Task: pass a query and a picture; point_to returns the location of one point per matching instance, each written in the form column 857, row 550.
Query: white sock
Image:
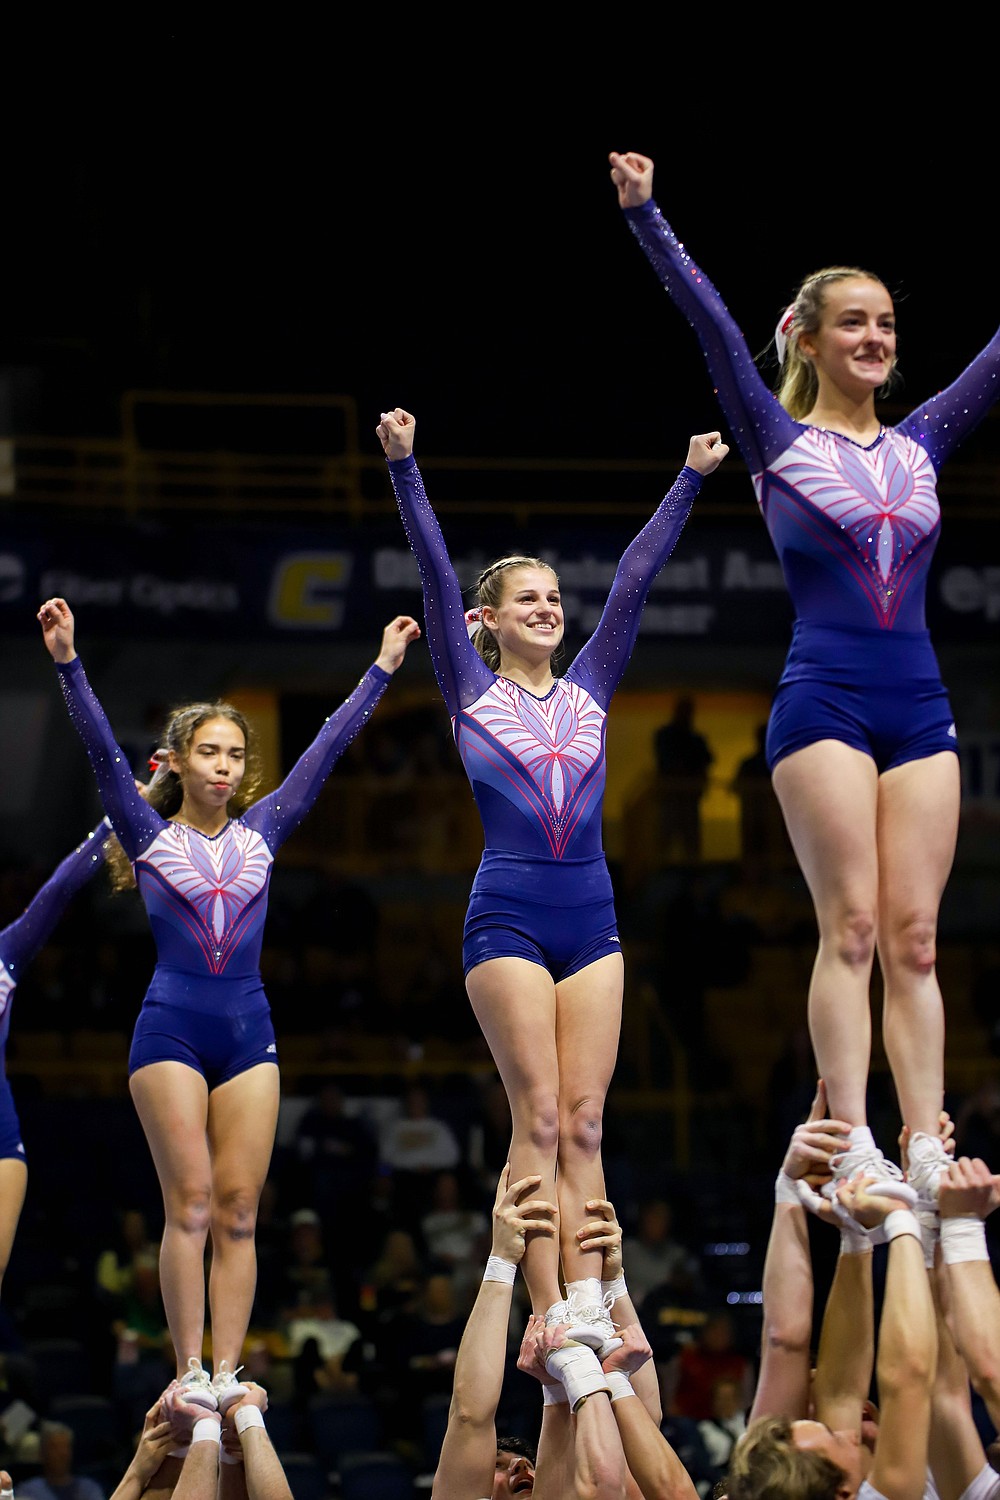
column 861, row 1136
column 589, row 1290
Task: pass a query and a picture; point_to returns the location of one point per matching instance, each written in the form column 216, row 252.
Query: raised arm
column 279, row 813
column 22, row 939
column 907, row 1345
column 760, row 425
column 943, row 422
column 605, row 656
column 461, row 673
column 467, row 1462
column 787, row 1288
column 134, row 822
column 969, row 1192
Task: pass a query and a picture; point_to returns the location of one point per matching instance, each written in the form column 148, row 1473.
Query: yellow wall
column 727, row 720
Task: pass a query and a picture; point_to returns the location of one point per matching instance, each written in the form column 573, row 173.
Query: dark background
column 429, row 220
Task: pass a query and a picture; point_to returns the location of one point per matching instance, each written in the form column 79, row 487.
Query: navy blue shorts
column 877, row 691
column 559, row 914
column 219, row 1027
column 10, row 1127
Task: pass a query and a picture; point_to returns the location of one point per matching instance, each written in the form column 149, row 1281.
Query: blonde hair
column 766, row 1465
column 165, row 792
column 797, row 383
column 491, row 585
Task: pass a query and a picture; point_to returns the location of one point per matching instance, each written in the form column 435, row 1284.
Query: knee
column 855, row 937
column 234, row 1214
column 190, row 1209
column 912, row 944
column 582, row 1127
column 538, row 1117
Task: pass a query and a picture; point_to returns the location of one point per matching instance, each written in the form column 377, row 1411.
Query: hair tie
column 473, row 620
column 781, row 332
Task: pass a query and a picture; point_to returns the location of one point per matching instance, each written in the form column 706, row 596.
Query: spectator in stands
column 455, row 1234
column 395, row 1278
column 689, row 1379
column 723, row 1428
column 683, row 760
column 306, row 1280
column 337, row 1153
column 58, row 1481
column 414, row 1145
column 656, row 1258
column 318, row 1341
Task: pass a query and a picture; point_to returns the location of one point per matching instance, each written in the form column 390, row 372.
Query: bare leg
column 242, row 1119
column 828, row 794
column 13, row 1186
column 515, row 1004
column 588, row 1027
column 917, row 831
column 171, row 1100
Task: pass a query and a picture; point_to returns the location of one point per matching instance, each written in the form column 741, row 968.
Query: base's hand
column 396, row 636
column 632, row 175
column 395, row 433
column 603, row 1233
column 968, row 1187
column 535, row 1344
column 58, row 628
column 870, row 1210
column 706, row 451
column 634, row 1352
column 512, row 1220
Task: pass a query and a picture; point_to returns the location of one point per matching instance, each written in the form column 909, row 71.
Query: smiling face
column 528, row 622
column 513, row 1475
column 854, row 346
column 212, row 767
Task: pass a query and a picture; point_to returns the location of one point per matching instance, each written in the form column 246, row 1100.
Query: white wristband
column 963, row 1238
column 498, row 1269
column 854, row 1242
column 620, row 1384
column 785, row 1189
column 554, row 1395
column 901, row 1221
column 248, row 1416
column 617, row 1288
column 206, row 1430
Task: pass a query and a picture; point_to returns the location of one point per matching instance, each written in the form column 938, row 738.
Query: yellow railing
column 265, row 472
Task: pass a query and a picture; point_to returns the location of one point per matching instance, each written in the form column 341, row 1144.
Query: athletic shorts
column 559, row 914
column 878, row 691
column 11, row 1144
column 220, row 1027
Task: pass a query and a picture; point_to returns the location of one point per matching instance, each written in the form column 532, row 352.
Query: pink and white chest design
column 212, row 887
column 882, row 502
column 545, row 755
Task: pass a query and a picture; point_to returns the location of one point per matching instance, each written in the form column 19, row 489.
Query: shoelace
column 590, row 1311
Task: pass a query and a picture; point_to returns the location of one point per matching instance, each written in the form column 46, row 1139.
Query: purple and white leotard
column 22, row 939
column 206, row 898
column 854, row 528
column 537, row 765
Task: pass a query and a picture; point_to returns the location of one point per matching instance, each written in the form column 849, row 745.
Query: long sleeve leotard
column 207, row 897
column 20, row 941
column 24, row 937
column 854, row 527
column 536, row 765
